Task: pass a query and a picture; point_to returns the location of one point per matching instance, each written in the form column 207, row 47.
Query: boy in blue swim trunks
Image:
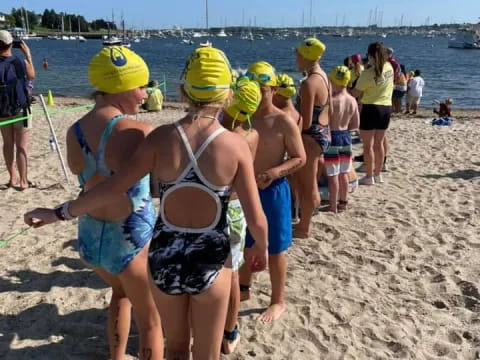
column 279, row 134
column 338, row 158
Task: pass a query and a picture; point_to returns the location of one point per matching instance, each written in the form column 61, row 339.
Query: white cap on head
column 6, row 37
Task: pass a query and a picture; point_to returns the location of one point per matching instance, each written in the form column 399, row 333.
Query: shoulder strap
column 107, row 132
column 184, row 138
column 80, row 138
column 207, row 142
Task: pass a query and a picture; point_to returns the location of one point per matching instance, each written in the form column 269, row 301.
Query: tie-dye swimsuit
column 188, row 260
column 113, row 244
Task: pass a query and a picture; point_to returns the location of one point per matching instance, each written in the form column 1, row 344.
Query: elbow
column 302, row 160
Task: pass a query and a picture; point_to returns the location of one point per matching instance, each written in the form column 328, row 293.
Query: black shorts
column 375, row 117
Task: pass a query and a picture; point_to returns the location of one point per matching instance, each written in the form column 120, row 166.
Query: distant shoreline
column 178, row 104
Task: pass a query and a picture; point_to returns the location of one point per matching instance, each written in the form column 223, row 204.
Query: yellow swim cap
column 208, row 76
column 263, row 73
column 116, row 69
column 286, row 86
column 340, row 75
column 246, row 99
column 311, row 49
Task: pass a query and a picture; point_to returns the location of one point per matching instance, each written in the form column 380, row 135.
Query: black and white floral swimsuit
column 188, row 260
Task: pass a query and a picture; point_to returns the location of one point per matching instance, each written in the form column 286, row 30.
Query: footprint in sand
column 454, row 338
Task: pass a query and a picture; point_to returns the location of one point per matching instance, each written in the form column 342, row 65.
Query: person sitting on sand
column 196, row 161
column 445, row 109
column 338, row 157
column 279, row 134
column 314, row 106
column 236, row 118
column 155, row 98
column 113, row 236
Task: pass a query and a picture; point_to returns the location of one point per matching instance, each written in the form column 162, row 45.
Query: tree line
column 53, row 21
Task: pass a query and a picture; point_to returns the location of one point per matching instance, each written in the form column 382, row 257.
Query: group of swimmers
column 225, row 173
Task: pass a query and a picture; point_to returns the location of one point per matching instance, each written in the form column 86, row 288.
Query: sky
column 160, row 14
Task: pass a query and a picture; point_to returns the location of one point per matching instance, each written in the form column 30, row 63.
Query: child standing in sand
column 279, row 134
column 236, row 118
column 113, row 237
column 338, row 157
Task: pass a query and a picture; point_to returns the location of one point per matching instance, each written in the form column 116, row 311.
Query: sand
column 395, row 277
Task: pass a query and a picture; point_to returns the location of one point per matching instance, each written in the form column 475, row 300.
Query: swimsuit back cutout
column 193, row 177
column 318, row 109
column 95, row 163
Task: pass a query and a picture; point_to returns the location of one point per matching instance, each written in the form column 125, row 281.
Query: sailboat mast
column 206, row 14
column 26, row 21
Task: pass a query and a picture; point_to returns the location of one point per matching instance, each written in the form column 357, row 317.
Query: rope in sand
column 4, row 242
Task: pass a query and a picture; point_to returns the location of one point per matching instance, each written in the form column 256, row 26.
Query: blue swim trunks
column 276, row 204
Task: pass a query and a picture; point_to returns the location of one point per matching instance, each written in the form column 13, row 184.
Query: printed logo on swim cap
column 117, row 57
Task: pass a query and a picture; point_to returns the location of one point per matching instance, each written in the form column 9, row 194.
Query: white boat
column 111, row 41
column 222, row 33
column 64, row 37
column 81, row 38
column 206, row 44
column 187, row 41
column 465, row 39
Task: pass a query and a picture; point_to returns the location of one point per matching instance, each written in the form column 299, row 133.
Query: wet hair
column 378, row 52
column 4, row 46
column 402, row 68
column 417, row 72
column 346, row 61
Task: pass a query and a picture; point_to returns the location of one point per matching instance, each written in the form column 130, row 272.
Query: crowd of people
column 228, row 173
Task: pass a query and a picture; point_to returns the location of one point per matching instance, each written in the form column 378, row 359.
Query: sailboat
column 80, row 37
column 111, row 40
column 125, row 39
column 64, row 37
column 70, row 23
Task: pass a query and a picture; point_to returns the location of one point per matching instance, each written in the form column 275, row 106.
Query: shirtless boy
column 338, row 158
column 283, row 100
column 236, row 118
column 279, row 134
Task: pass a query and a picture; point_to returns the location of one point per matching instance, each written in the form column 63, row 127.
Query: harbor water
column 447, row 72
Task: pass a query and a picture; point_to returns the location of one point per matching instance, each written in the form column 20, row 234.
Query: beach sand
column 395, row 277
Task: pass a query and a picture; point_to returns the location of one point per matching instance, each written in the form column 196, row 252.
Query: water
column 447, row 72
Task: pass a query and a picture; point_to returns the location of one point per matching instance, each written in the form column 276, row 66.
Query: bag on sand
column 14, row 97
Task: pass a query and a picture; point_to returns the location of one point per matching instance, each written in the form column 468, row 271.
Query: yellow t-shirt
column 376, row 91
column 155, row 99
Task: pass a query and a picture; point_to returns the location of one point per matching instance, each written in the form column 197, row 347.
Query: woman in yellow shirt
column 375, row 86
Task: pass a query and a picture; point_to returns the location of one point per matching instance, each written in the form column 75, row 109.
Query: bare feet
column 300, row 234
column 272, row 313
column 29, row 184
column 228, row 346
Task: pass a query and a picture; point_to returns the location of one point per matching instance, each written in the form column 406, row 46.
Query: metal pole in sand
column 52, row 131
